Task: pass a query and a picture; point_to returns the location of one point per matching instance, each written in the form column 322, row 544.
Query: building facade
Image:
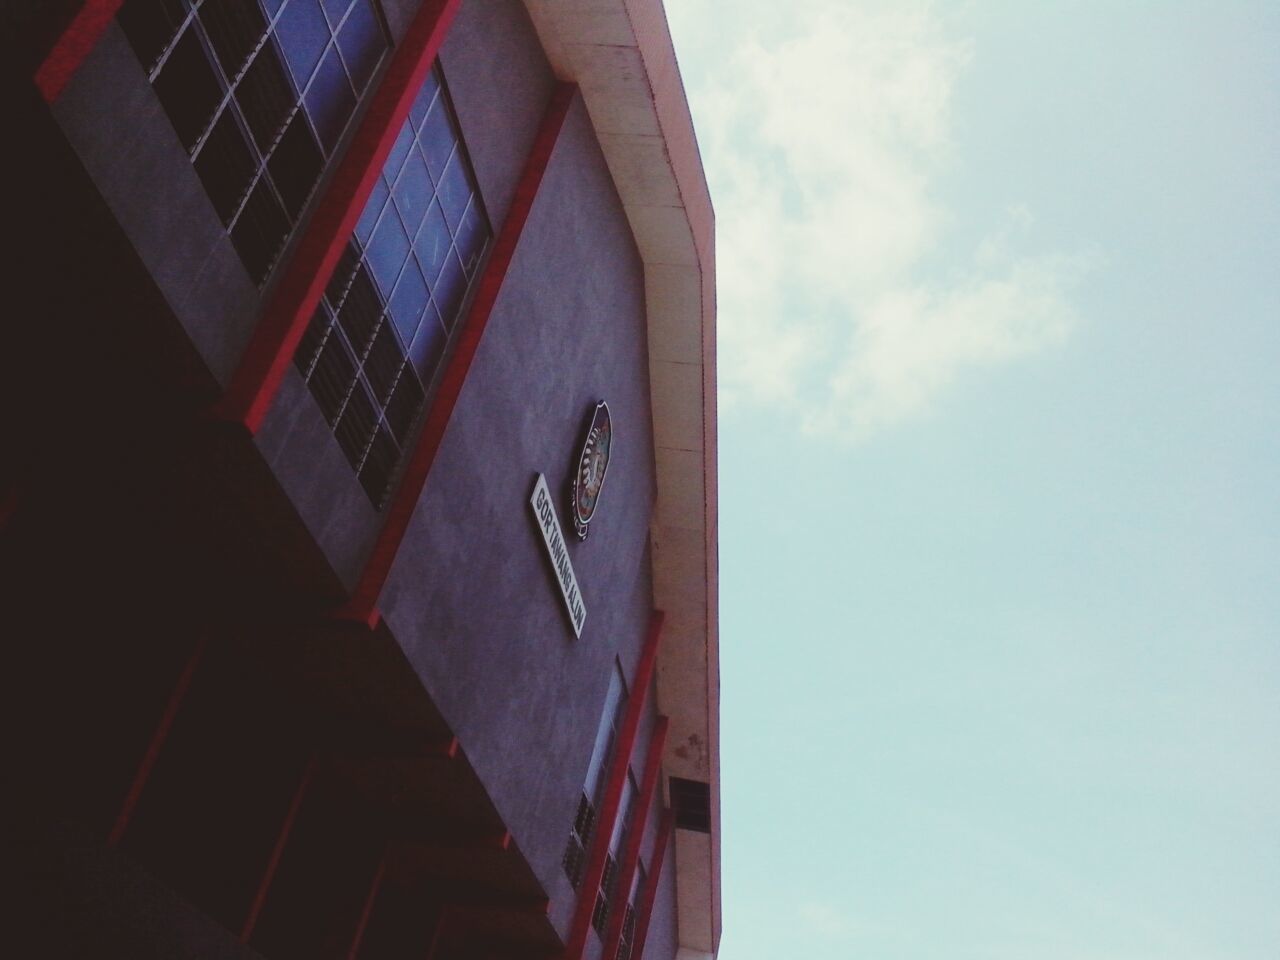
column 358, row 506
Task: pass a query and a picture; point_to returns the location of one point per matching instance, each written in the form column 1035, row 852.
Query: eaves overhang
column 620, row 54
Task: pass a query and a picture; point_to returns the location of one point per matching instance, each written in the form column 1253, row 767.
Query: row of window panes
column 259, row 92
column 601, row 754
column 376, row 341
column 626, row 943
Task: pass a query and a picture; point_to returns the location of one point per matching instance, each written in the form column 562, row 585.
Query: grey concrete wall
column 501, row 83
column 471, row 597
column 116, row 125
column 664, row 936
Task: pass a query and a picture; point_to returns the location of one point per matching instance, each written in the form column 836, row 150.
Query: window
column 609, row 878
column 376, row 341
column 627, row 942
column 691, row 800
column 584, row 822
column 259, row 92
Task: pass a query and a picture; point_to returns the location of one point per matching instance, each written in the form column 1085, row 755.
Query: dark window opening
column 259, row 92
column 584, row 822
column 626, row 943
column 604, row 896
column 691, row 800
column 575, row 854
column 374, row 346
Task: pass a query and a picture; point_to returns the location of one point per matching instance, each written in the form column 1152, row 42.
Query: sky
column 999, row 333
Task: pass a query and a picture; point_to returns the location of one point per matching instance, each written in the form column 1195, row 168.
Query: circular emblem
column 588, row 479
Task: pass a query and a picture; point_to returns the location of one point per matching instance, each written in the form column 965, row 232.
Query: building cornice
column 620, row 54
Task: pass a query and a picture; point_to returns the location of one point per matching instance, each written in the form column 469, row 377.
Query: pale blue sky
column 999, row 459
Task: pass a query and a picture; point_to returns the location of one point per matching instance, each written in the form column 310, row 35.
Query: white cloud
column 823, row 919
column 824, row 133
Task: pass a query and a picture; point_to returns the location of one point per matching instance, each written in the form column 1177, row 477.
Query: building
column 312, row 307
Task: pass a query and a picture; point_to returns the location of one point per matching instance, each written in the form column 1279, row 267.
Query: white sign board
column 544, row 513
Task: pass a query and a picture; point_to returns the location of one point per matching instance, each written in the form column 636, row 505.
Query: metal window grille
column 376, row 341
column 259, row 92
column 627, row 941
column 604, row 896
column 575, row 854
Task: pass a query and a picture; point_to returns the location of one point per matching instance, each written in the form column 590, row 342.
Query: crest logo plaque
column 588, row 479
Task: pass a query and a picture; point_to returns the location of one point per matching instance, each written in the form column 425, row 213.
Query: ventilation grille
column 604, row 896
column 691, row 800
column 627, row 941
column 575, row 854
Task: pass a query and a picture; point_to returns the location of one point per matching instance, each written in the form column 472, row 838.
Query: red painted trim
column 644, row 909
column 631, row 853
column 273, row 863
column 362, row 607
column 152, row 754
column 74, row 44
column 612, row 799
column 270, row 351
column 443, row 919
column 367, row 912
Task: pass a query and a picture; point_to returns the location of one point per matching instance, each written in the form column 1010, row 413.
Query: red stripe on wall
column 277, row 852
column 631, row 853
column 265, row 361
column 73, row 45
column 157, row 742
column 367, row 911
column 644, row 909
column 612, row 799
column 364, row 600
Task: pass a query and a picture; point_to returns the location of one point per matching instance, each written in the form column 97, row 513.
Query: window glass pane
column 408, row 301
column 356, row 424
column 413, row 192
column 260, row 230
column 362, row 44
column 303, row 34
column 151, row 25
column 454, row 192
column 348, row 261
column 234, row 27
column 330, row 99
column 331, row 380
column 361, row 311
column 265, row 96
column 312, row 340
column 432, row 243
column 404, row 403
column 382, row 365
column 335, row 9
column 296, row 164
column 471, row 237
column 387, row 251
column 372, row 209
column 379, row 462
column 427, row 346
column 448, row 290
column 226, row 166
column 437, row 139
column 189, row 89
column 422, row 102
column 399, row 150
